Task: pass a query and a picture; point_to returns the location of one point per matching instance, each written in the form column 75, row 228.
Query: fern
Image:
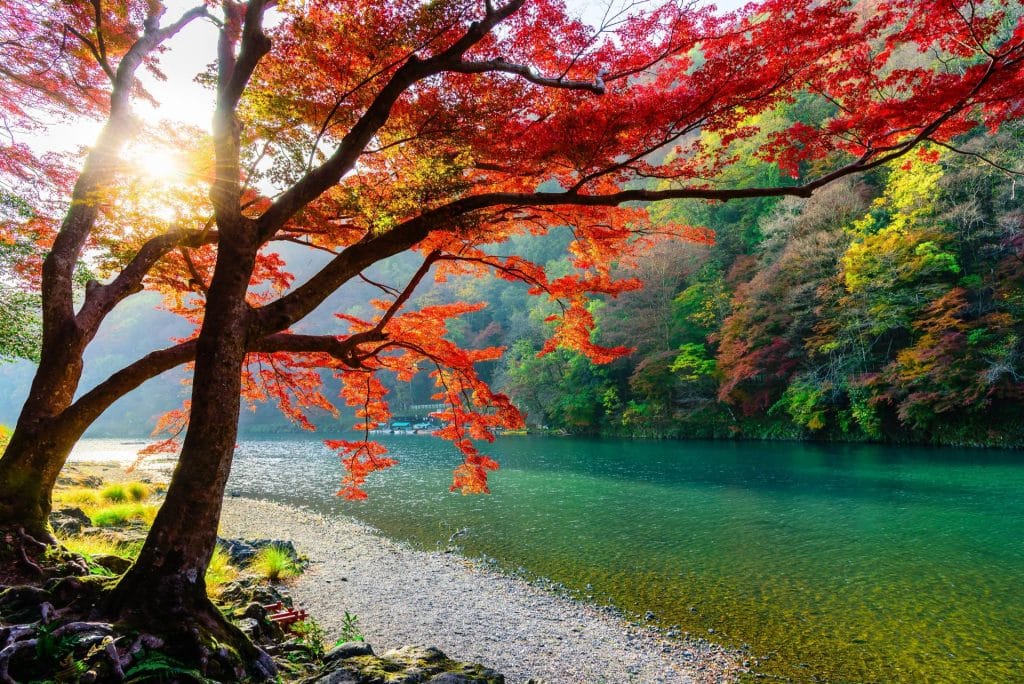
column 154, row 666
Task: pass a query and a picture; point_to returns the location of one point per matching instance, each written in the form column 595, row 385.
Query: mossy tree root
column 193, row 631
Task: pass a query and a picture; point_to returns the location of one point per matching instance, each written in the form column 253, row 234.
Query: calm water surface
column 839, row 563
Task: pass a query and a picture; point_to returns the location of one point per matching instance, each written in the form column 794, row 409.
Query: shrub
column 311, row 637
column 114, row 493
column 273, row 563
column 219, row 572
column 350, row 630
column 119, row 514
column 138, row 491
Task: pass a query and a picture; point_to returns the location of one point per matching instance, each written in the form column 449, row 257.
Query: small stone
column 249, row 626
column 114, row 564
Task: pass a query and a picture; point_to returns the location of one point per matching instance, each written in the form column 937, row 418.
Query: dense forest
column 888, row 307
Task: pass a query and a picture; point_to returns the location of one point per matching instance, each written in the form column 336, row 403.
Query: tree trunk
column 40, row 443
column 48, row 430
column 166, row 585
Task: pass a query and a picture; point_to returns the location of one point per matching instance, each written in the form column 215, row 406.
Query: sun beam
column 155, row 163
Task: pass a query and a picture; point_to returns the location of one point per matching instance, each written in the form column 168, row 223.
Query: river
column 833, row 562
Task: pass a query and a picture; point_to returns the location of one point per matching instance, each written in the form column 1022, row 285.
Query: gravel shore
column 403, row 596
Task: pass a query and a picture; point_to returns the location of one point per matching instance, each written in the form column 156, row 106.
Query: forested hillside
column 890, row 307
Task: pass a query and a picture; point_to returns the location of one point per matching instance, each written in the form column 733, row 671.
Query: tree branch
column 232, row 77
column 319, row 180
column 59, row 325
column 101, row 299
column 530, row 74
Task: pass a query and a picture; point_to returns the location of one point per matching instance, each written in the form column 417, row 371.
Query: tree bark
column 39, row 446
column 166, row 585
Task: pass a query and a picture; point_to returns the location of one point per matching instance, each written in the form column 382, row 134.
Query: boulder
column 349, row 649
column 239, row 551
column 69, row 520
column 354, row 663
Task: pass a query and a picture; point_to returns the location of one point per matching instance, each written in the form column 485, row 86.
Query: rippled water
column 841, row 563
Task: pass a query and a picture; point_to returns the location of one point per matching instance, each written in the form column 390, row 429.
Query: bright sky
column 181, row 99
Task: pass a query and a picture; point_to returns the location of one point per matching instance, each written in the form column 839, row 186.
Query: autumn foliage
column 364, row 130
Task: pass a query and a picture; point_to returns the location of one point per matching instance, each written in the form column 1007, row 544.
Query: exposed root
column 9, row 652
column 26, row 537
column 23, row 557
column 23, row 637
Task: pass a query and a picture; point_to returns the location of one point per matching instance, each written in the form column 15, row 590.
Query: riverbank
column 403, row 596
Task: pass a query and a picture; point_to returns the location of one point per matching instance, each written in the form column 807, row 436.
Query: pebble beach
column 404, row 596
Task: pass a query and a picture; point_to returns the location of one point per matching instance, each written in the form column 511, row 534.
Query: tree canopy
column 368, row 130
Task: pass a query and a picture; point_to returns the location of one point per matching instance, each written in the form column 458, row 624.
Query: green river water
column 837, row 563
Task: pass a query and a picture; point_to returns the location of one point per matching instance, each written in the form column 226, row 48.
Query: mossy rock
column 406, row 665
column 115, row 564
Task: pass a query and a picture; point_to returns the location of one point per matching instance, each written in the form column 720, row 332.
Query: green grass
column 115, row 504
column 98, row 545
column 82, row 497
column 219, row 572
column 138, row 491
column 273, row 563
column 114, row 493
column 90, row 546
column 119, row 514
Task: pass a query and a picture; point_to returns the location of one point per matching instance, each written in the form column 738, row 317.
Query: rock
column 423, row 654
column 250, row 627
column 452, row 678
column 349, row 649
column 354, row 663
column 85, row 481
column 264, row 628
column 268, row 594
column 241, row 593
column 114, row 564
column 242, row 551
column 69, row 520
column 239, row 551
column 339, row 677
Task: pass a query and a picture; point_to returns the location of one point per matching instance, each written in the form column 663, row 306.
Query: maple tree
column 366, row 130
